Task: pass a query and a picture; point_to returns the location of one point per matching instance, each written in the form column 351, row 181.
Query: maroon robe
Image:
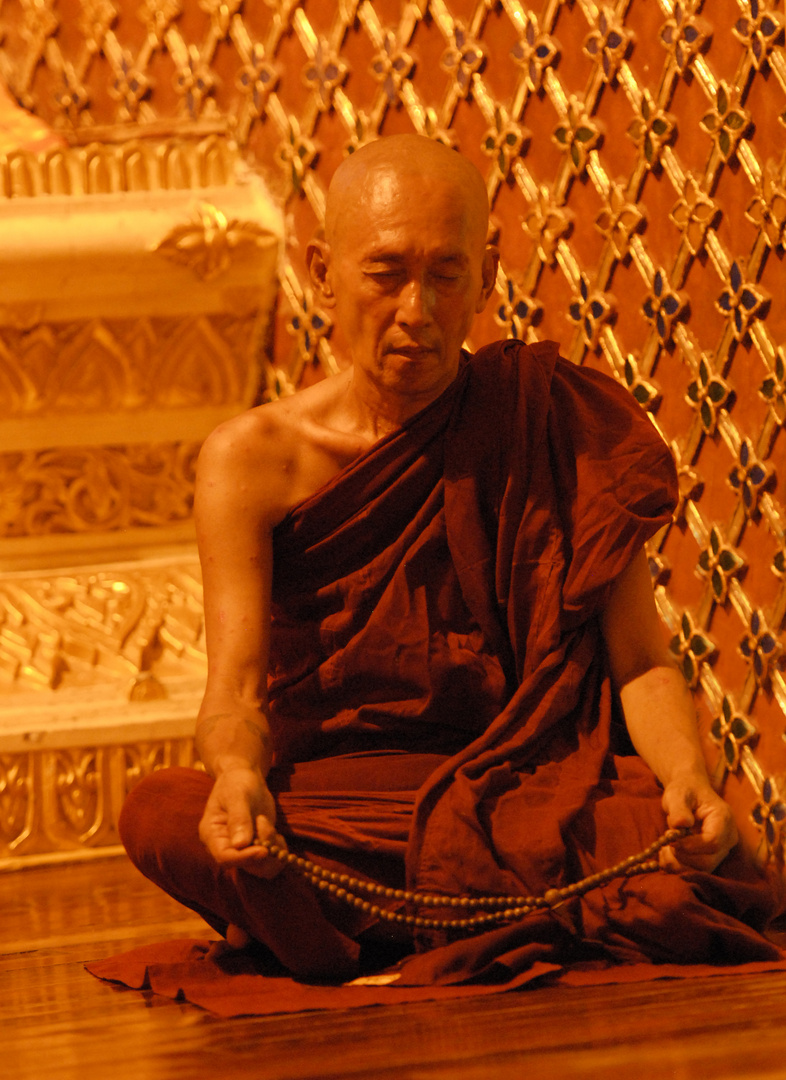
column 440, row 697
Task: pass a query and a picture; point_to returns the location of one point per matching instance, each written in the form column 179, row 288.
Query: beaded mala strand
column 494, row 909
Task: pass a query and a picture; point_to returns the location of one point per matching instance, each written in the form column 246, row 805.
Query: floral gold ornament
column 534, row 52
column 728, row 122
column 778, row 565
column 591, row 310
column 547, row 222
column 258, row 78
column 462, row 59
column 767, row 209
column 309, row 325
column 208, row 242
column 71, row 95
column 194, row 80
column 39, row 25
column 731, row 730
column 129, row 86
column 101, row 626
column 760, row 31
column 95, row 489
column 644, row 391
column 708, row 393
column 609, row 42
column 505, row 141
column 392, row 66
column 78, row 790
column 750, row 476
column 719, row 562
column 516, row 313
column 296, row 153
column 652, row 130
column 663, row 307
column 741, row 301
column 694, row 214
column 769, row 814
column 761, row 647
column 158, row 16
column 578, row 135
column 619, row 220
column 324, row 73
column 773, row 389
column 685, row 35
column 691, row 647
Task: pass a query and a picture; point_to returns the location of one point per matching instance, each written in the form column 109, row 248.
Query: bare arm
column 661, row 720
column 234, row 516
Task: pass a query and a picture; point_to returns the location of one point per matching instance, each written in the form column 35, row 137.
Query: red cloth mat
column 229, row 983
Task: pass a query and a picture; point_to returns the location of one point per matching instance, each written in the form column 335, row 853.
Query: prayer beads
column 497, row 909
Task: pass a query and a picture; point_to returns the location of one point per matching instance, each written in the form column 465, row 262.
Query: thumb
column 678, row 809
column 240, row 825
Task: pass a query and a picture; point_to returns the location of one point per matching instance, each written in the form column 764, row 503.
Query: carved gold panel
column 101, row 670
column 140, row 278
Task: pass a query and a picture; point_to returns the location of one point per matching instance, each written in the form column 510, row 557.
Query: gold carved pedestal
column 139, row 280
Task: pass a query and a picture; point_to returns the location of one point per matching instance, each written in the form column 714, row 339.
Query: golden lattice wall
column 634, row 156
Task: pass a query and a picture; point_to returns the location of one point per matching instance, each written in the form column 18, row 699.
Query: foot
column 237, row 938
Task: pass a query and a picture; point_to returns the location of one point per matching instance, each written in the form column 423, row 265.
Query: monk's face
column 407, row 271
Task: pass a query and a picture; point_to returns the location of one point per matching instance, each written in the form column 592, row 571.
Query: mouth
column 412, row 352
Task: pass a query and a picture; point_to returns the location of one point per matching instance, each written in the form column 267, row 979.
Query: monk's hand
column 239, row 816
column 692, row 803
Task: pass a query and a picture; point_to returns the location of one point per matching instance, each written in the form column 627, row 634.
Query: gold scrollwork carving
column 78, row 791
column 69, row 800
column 208, row 242
column 104, row 365
column 16, row 797
column 89, row 489
column 100, row 626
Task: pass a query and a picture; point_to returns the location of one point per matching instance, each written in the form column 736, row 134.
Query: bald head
column 404, row 265
column 406, row 159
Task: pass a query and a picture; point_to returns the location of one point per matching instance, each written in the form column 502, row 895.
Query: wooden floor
column 58, row 1021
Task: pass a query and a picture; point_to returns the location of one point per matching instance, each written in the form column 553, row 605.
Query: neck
column 377, row 409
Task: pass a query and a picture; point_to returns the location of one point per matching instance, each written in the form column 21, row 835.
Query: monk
column 434, row 657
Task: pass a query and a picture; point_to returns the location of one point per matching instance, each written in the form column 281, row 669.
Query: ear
column 318, row 263
column 489, row 278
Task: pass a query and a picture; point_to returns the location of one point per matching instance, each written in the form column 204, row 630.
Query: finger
column 668, row 860
column 674, row 864
column 266, row 830
column 213, row 832
column 264, row 868
column 253, row 858
column 695, row 853
column 268, row 865
column 240, row 824
column 679, row 812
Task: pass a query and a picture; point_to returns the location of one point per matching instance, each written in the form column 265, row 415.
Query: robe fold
column 439, row 691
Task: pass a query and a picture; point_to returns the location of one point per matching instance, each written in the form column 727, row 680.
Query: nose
column 416, row 303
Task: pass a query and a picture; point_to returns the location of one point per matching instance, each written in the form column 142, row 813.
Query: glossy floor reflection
column 57, row 1021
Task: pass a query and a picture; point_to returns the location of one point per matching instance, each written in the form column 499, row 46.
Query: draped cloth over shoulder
column 435, row 617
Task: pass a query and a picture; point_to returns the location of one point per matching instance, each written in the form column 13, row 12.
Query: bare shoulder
column 265, row 460
column 268, row 431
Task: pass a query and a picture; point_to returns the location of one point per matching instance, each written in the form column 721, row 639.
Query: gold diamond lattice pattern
column 634, row 158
